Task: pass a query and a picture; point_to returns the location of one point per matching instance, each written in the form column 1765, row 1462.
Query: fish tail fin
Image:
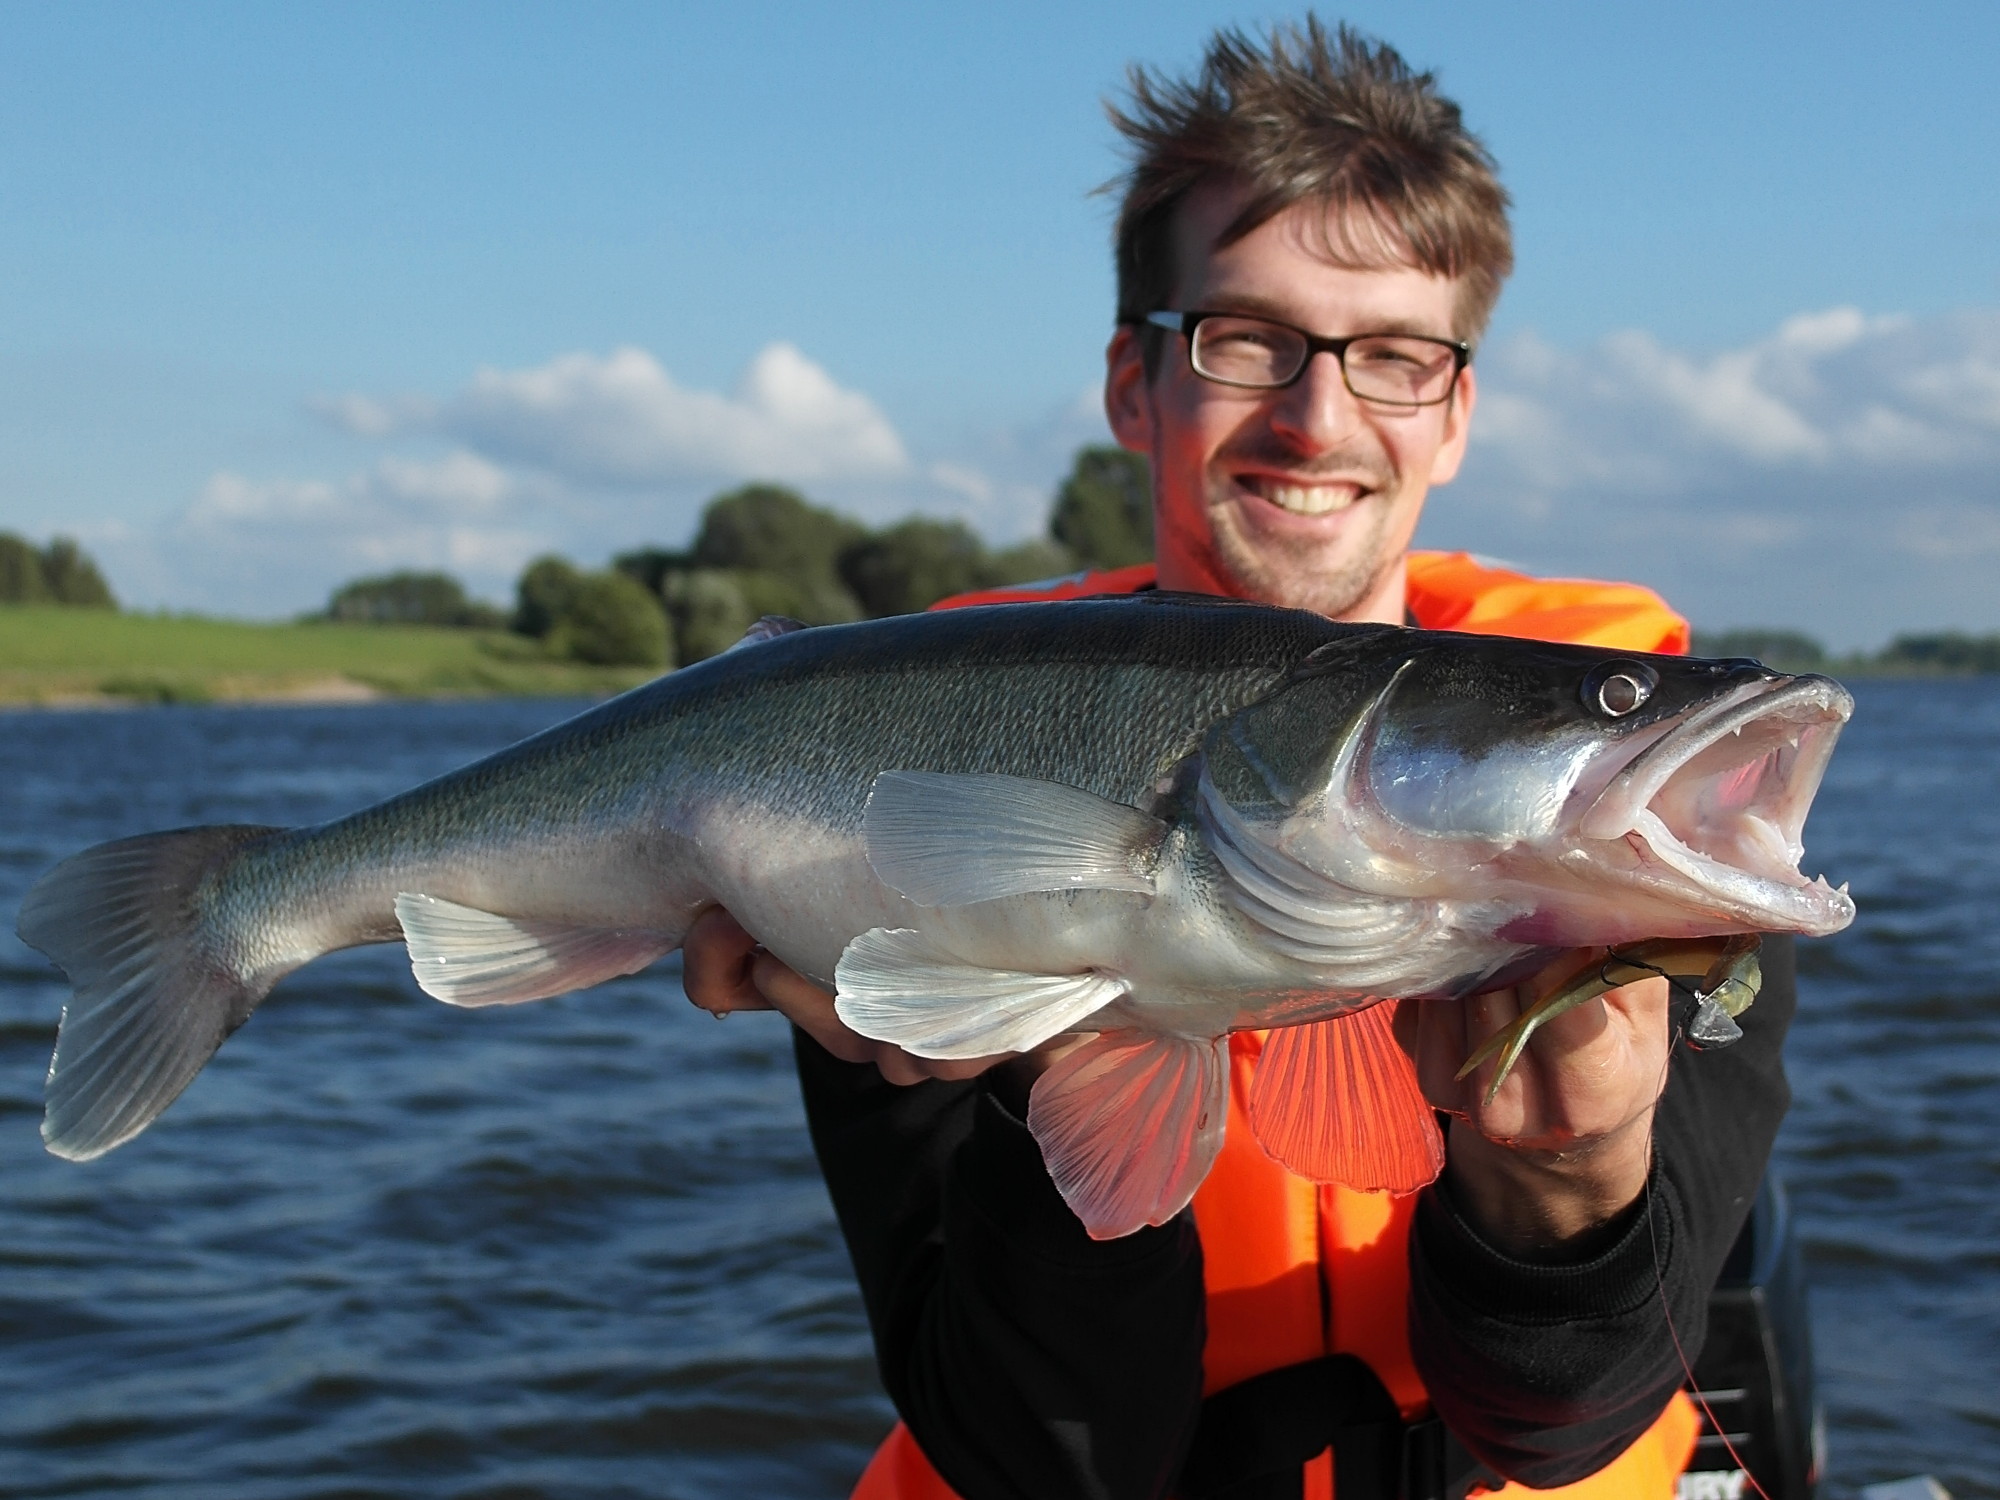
column 1338, row 1101
column 156, row 986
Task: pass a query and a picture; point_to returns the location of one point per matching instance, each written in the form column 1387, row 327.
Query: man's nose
column 1317, row 411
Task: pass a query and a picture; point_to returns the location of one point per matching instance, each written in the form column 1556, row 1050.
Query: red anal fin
column 1337, row 1101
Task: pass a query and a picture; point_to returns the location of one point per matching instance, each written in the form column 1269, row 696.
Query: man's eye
column 1244, row 340
column 1394, row 356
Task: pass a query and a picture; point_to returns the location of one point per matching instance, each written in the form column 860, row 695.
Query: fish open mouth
column 1720, row 801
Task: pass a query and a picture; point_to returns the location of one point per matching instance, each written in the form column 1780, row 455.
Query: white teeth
column 1309, row 499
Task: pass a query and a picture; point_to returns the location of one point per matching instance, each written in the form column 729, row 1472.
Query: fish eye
column 1617, row 688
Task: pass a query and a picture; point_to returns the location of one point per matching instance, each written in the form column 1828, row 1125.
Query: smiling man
column 1275, row 479
column 1309, row 246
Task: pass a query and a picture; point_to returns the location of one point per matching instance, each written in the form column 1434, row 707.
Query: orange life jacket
column 1296, row 1270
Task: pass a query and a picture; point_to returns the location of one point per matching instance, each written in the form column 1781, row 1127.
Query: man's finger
column 715, row 965
column 1486, row 1016
column 810, row 1008
column 724, row 970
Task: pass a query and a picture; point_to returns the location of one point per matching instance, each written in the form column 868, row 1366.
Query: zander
column 1156, row 820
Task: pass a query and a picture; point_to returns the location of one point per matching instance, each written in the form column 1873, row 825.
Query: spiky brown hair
column 1335, row 119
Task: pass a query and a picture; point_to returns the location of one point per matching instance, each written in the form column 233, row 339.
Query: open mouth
column 1721, row 801
column 1304, row 497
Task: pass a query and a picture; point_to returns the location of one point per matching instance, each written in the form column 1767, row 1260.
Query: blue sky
column 291, row 293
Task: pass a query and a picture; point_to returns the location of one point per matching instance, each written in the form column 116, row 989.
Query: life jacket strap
column 1253, row 1439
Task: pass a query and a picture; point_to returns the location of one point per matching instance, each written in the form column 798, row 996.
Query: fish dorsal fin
column 1129, row 1124
column 767, row 628
column 897, row 985
column 464, row 956
column 945, row 840
column 1338, row 1101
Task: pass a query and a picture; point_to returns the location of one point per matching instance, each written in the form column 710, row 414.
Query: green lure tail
column 1723, row 974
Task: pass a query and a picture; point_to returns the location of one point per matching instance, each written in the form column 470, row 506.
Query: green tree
column 73, row 578
column 410, row 598
column 652, row 566
column 1104, row 510
column 1031, row 561
column 709, row 610
column 1775, row 648
column 543, row 594
column 22, row 580
column 914, row 564
column 1944, row 651
column 766, row 528
column 611, row 620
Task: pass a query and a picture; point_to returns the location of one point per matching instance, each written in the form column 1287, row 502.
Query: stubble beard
column 1302, row 576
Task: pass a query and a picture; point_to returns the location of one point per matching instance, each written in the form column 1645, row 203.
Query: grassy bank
column 54, row 655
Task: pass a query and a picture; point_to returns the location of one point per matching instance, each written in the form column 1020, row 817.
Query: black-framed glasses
column 1390, row 369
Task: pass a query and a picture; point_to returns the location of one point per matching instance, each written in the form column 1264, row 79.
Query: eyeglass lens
column 1392, row 370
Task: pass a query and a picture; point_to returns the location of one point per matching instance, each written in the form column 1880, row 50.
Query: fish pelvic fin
column 950, row 840
column 1129, row 1124
column 894, row 984
column 157, row 981
column 1338, row 1101
column 464, row 956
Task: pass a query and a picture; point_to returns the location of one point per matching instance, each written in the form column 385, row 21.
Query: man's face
column 1304, row 496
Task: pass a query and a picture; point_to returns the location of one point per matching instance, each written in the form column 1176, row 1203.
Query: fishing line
column 1674, row 1039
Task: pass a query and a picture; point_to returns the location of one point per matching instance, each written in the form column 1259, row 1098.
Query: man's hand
column 1561, row 1152
column 725, row 970
column 1564, row 1148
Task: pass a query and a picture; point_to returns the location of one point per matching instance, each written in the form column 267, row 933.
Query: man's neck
column 1387, row 603
column 1384, row 603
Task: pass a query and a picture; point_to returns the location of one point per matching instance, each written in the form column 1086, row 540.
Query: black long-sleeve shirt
column 1034, row 1363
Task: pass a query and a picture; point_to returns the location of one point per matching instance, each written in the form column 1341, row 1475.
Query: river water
column 579, row 1249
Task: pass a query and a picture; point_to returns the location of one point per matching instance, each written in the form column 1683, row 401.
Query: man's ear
column 1128, row 405
column 1457, row 426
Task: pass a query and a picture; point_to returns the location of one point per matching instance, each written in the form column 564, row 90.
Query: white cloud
column 620, row 418
column 1841, row 473
column 1825, row 391
column 276, row 546
column 396, row 491
column 587, row 455
column 371, row 416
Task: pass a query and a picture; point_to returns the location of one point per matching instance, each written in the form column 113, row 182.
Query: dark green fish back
column 1103, row 695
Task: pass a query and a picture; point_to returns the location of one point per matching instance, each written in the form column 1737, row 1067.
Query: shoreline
column 326, row 692
column 318, row 692
column 61, row 658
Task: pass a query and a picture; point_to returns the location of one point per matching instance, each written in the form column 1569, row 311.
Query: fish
column 1148, row 821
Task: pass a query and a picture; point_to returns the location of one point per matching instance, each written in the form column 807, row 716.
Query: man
column 1309, row 244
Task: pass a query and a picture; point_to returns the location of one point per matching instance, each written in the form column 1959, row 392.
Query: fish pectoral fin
column 896, row 985
column 464, row 956
column 945, row 840
column 1338, row 1101
column 1129, row 1124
